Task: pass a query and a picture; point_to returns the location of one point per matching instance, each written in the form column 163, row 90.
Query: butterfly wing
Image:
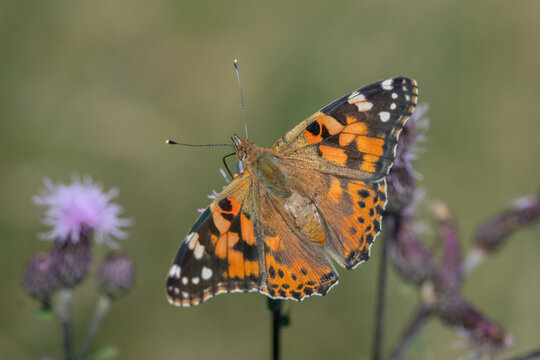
column 356, row 135
column 340, row 156
column 295, row 266
column 220, row 253
column 350, row 211
column 243, row 243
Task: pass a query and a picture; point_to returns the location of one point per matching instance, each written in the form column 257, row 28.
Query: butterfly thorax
column 265, row 167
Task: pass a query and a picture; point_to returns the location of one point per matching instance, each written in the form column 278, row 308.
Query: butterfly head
column 242, row 147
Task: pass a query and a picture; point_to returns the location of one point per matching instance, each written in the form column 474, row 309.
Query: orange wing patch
column 247, row 230
column 335, row 155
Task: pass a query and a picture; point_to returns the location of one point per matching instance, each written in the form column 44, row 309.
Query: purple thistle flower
column 81, row 206
column 116, row 275
column 40, row 279
column 402, row 176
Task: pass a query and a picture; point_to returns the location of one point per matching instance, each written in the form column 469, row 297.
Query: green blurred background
column 96, row 87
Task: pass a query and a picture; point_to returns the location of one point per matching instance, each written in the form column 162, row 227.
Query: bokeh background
column 96, row 87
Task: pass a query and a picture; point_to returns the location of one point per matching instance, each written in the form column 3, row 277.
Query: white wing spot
column 185, row 294
column 206, row 273
column 392, row 106
column 353, row 94
column 191, row 240
column 199, row 251
column 394, row 96
column 176, row 291
column 384, row 115
column 195, row 280
column 404, row 88
column 407, row 97
column 387, row 84
column 360, row 101
column 175, row 271
column 364, row 106
column 184, row 280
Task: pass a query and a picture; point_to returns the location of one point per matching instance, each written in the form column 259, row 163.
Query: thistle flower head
column 401, row 187
column 81, row 206
column 40, row 279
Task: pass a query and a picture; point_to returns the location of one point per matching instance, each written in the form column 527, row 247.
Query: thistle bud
column 72, row 260
column 40, row 279
column 116, row 275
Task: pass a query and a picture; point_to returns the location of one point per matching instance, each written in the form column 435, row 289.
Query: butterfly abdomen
column 305, row 217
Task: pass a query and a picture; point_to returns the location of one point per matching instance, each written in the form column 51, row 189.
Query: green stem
column 101, row 309
column 388, row 234
column 63, row 311
column 277, row 321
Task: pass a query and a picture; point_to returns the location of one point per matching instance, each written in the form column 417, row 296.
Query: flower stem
column 418, row 321
column 390, row 228
column 101, row 309
column 63, row 311
column 532, row 355
column 277, row 320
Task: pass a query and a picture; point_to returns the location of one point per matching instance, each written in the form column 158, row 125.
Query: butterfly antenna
column 171, row 142
column 241, row 96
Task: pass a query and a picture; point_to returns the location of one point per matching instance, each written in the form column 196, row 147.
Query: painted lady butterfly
column 319, row 190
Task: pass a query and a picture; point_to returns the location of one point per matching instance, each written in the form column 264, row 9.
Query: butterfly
column 318, row 193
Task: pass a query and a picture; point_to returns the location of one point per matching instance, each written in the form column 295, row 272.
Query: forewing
column 220, row 253
column 356, row 135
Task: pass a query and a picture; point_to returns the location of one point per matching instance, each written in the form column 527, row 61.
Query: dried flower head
column 81, row 206
column 448, row 276
column 116, row 275
column 411, row 257
column 40, row 279
column 493, row 233
column 483, row 333
column 402, row 176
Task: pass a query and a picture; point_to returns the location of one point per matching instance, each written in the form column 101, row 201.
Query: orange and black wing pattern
column 295, row 267
column 351, row 212
column 220, row 253
column 356, row 135
column 340, row 157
